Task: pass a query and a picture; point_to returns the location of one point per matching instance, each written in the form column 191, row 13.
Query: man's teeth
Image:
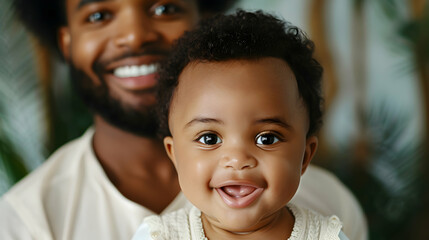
column 135, row 71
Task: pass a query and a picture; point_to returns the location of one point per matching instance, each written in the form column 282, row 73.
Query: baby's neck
column 279, row 225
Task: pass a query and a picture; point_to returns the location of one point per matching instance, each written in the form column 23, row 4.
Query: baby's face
column 239, row 140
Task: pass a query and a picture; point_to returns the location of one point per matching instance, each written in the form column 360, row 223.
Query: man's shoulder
column 58, row 166
column 12, row 226
column 319, row 182
column 28, row 201
column 323, row 192
column 314, row 172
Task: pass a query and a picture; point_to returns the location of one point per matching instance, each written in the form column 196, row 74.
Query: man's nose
column 238, row 159
column 135, row 30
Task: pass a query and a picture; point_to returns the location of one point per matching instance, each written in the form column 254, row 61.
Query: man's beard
column 140, row 121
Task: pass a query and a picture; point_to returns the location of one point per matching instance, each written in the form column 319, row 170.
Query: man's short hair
column 244, row 36
column 44, row 17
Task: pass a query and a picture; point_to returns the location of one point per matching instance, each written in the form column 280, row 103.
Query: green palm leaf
column 22, row 113
column 388, row 180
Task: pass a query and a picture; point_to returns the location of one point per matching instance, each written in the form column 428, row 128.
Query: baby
column 240, row 106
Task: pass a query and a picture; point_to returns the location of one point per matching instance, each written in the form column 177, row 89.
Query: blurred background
column 376, row 85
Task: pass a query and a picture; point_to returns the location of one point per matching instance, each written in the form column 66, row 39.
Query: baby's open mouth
column 239, row 196
column 237, row 191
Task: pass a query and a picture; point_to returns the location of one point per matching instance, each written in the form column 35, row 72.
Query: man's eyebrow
column 275, row 120
column 203, row 120
column 82, row 3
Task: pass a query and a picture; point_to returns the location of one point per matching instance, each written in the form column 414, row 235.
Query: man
column 103, row 184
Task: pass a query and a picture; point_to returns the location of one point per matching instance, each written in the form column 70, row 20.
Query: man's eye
column 209, row 139
column 167, row 9
column 99, row 16
column 266, row 139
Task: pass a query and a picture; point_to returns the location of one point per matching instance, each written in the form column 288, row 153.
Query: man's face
column 239, row 140
column 114, row 47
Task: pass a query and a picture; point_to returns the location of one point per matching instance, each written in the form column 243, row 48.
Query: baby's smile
column 239, row 195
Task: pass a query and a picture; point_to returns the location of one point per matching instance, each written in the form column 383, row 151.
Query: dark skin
column 138, row 167
column 105, row 31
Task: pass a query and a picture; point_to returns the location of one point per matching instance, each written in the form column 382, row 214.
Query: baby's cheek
column 194, row 187
column 285, row 185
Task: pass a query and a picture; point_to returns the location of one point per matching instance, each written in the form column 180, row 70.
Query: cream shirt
column 187, row 224
column 70, row 197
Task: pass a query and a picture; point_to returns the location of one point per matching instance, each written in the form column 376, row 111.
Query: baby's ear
column 169, row 148
column 310, row 150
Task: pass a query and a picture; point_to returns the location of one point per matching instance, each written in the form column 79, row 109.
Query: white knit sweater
column 185, row 224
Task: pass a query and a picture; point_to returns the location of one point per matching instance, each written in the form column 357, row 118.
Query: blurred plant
column 323, row 54
column 22, row 115
column 413, row 35
column 385, row 171
column 318, row 30
column 38, row 109
column 389, row 185
column 11, row 165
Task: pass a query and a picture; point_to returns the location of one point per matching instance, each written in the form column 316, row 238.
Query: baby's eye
column 99, row 16
column 167, row 9
column 266, row 139
column 209, row 139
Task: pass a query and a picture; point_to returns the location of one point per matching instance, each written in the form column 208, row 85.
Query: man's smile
column 136, row 77
column 135, row 70
column 134, row 73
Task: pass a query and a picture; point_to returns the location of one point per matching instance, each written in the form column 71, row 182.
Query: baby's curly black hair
column 44, row 17
column 244, row 35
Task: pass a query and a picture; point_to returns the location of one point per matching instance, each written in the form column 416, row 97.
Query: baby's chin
column 237, row 223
